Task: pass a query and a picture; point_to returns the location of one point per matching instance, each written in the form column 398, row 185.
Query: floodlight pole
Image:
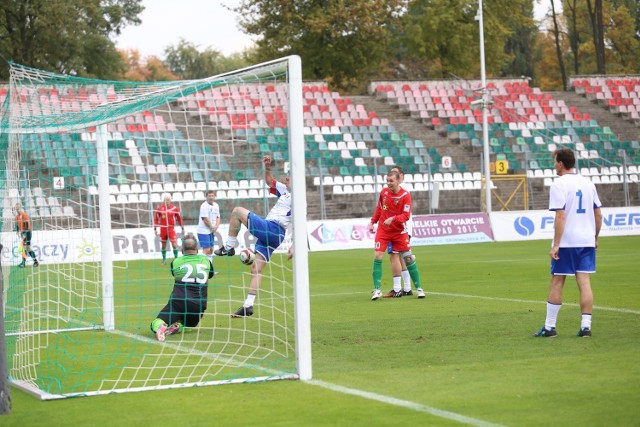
column 485, row 113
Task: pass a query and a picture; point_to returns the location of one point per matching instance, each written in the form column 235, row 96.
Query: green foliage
column 187, row 62
column 339, row 41
column 444, row 34
column 465, row 350
column 66, row 36
column 622, row 48
column 519, row 46
column 151, row 69
column 625, row 47
column 346, row 43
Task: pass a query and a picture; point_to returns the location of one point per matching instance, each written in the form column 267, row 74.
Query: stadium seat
column 347, row 189
column 68, row 211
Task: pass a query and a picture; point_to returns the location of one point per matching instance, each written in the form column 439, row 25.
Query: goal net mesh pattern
column 164, row 138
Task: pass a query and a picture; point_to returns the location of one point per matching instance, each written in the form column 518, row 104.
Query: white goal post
column 90, row 161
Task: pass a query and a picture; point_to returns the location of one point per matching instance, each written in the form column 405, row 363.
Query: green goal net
column 90, row 162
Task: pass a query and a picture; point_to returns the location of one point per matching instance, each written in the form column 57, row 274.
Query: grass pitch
column 464, row 355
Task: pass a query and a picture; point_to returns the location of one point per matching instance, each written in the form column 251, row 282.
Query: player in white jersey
column 578, row 219
column 208, row 223
column 269, row 232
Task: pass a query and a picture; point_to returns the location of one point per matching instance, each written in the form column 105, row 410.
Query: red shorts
column 168, row 233
column 399, row 241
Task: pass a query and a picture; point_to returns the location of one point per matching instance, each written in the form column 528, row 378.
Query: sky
column 206, row 23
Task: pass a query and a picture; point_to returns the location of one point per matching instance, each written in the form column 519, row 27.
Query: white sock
column 397, row 286
column 586, row 321
column 552, row 315
column 250, row 300
column 232, row 242
column 406, row 279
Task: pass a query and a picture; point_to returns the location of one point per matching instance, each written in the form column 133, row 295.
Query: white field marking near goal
column 177, row 348
column 404, row 404
column 524, row 301
column 333, row 387
column 571, row 304
column 448, row 294
column 365, row 394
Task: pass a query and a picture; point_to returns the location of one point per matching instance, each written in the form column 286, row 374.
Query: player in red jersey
column 392, row 213
column 398, row 266
column 165, row 220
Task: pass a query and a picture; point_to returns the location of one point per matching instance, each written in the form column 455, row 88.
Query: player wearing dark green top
column 188, row 300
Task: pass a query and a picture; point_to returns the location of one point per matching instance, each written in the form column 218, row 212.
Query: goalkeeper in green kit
column 188, row 300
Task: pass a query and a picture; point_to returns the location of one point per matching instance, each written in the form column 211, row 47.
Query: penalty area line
column 571, row 304
column 440, row 413
column 483, row 297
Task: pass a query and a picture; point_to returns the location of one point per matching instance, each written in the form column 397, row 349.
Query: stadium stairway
column 406, row 124
column 623, row 129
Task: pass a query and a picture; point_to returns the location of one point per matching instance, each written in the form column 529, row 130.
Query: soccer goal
column 90, row 161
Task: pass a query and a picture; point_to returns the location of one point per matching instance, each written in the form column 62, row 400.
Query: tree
column 625, row 46
column 445, row 35
column 545, row 63
column 571, row 13
column 618, row 39
column 65, row 36
column 151, row 69
column 339, row 41
column 597, row 27
column 519, row 45
column 557, row 33
column 187, row 62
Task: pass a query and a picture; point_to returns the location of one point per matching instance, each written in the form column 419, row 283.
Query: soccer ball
column 247, row 256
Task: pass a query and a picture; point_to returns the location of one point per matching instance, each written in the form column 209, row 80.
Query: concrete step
column 623, row 129
column 405, row 124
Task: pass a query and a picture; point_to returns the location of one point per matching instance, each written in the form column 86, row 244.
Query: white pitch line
column 448, row 294
column 595, row 307
column 405, row 404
